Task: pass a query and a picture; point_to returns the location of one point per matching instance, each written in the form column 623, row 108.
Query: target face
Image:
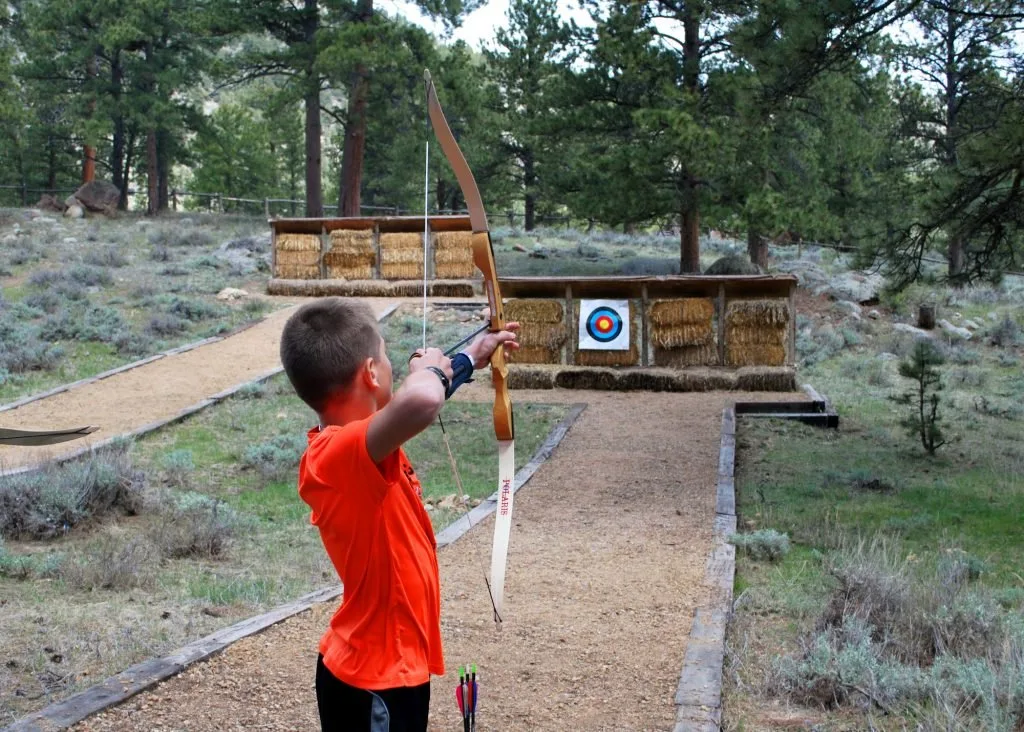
column 604, row 325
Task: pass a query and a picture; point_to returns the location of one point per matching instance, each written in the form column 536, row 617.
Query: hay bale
column 542, row 332
column 531, row 377
column 682, row 322
column 453, row 254
column 366, row 288
column 297, row 243
column 352, row 255
column 760, row 354
column 758, row 313
column 610, row 358
column 766, row 379
column 682, row 357
column 648, row 380
column 308, row 257
column 401, row 255
column 298, row 271
column 591, row 378
column 707, row 380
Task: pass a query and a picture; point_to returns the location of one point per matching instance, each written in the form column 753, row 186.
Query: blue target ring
column 604, row 325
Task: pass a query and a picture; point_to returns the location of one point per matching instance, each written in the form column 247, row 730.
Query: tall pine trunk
column 314, row 163
column 757, row 248
column 118, row 168
column 163, row 156
column 529, row 186
column 955, row 253
column 152, row 173
column 351, row 182
column 689, row 230
column 89, row 151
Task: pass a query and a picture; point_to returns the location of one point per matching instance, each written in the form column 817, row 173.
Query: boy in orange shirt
column 384, row 642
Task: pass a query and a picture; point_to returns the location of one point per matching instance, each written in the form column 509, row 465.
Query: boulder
column 955, row 331
column 733, row 264
column 519, row 248
column 917, row 332
column 874, row 314
column 74, row 212
column 856, row 286
column 850, row 308
column 99, row 196
column 50, row 203
column 539, row 252
column 231, row 293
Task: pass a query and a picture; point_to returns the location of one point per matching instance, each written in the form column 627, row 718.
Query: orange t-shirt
column 387, row 632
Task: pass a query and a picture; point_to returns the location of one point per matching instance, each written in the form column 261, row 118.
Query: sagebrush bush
column 111, row 564
column 276, row 459
column 130, row 343
column 166, row 325
column 178, row 466
column 257, row 390
column 88, row 276
column 22, row 350
column 1006, row 333
column 193, row 309
column 48, row 301
column 194, row 525
column 105, row 257
column 52, row 501
column 27, row 566
column 764, row 544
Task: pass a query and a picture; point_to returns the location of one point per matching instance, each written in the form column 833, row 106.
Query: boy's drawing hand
column 430, row 357
column 482, row 348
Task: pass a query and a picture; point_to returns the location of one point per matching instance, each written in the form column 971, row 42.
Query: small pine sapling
column 922, row 367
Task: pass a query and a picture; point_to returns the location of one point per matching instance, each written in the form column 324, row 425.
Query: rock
column 50, row 203
column 971, row 325
column 917, row 332
column 231, row 293
column 886, row 356
column 993, row 316
column 733, row 264
column 874, row 314
column 74, row 212
column 99, row 196
column 33, row 213
column 186, row 222
column 44, row 220
column 519, row 248
column 851, row 308
column 69, row 240
column 955, row 331
column 856, row 286
column 539, row 252
column 9, row 238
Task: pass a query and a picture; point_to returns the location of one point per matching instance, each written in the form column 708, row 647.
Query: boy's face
column 384, row 375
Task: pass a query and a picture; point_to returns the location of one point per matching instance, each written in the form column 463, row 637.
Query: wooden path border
column 699, row 694
column 147, row 674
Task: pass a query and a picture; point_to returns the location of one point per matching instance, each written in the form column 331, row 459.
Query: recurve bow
column 504, row 430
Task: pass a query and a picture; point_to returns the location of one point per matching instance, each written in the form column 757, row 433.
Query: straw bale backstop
column 340, row 251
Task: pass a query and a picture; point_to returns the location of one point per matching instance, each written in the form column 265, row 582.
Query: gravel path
column 605, row 571
column 154, row 391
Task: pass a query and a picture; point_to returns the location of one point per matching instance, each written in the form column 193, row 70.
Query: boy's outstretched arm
column 412, row 409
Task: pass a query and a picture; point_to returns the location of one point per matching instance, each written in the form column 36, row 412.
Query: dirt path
column 605, row 570
column 154, row 391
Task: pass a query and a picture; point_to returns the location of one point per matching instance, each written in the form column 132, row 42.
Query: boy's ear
column 368, row 373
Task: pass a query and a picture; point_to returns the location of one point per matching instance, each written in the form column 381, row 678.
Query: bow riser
column 483, row 258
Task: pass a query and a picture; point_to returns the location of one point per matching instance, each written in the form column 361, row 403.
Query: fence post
column 511, row 219
column 174, row 200
column 266, row 207
column 24, row 196
column 220, row 204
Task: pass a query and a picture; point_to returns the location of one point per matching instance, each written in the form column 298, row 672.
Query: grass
column 103, row 301
column 100, row 617
column 952, row 528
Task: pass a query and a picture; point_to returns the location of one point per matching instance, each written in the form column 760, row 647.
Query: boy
column 384, row 642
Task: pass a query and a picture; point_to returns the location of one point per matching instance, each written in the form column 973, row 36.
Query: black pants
column 345, row 708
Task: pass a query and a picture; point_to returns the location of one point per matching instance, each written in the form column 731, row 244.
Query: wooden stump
column 926, row 317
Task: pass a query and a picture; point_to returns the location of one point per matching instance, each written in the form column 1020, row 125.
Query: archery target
column 604, row 325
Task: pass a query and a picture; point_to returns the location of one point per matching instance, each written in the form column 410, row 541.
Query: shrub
column 277, row 458
column 87, row 276
column 103, row 324
column 160, row 254
column 112, row 565
column 194, row 525
column 1006, row 333
column 48, row 301
column 27, row 566
column 51, row 501
column 105, row 257
column 256, row 390
column 193, row 309
column 764, row 544
column 133, row 344
column 21, row 349
column 166, row 325
column 178, row 467
column 46, row 277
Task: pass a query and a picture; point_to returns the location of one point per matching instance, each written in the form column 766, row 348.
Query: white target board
column 604, row 325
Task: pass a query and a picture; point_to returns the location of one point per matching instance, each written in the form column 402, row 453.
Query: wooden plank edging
column 699, row 693
column 147, row 674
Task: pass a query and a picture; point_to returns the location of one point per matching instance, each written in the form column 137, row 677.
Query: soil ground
column 605, row 571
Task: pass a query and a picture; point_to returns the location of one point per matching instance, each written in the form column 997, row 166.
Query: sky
column 477, row 27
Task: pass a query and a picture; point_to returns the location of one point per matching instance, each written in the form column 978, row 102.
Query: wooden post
column 570, row 323
column 174, row 200
column 266, row 207
column 24, row 196
column 645, row 331
column 721, row 324
column 791, row 356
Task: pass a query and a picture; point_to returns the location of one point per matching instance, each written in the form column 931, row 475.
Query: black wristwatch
column 444, row 379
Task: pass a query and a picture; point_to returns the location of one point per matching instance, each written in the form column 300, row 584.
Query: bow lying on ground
column 483, row 258
column 32, row 438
